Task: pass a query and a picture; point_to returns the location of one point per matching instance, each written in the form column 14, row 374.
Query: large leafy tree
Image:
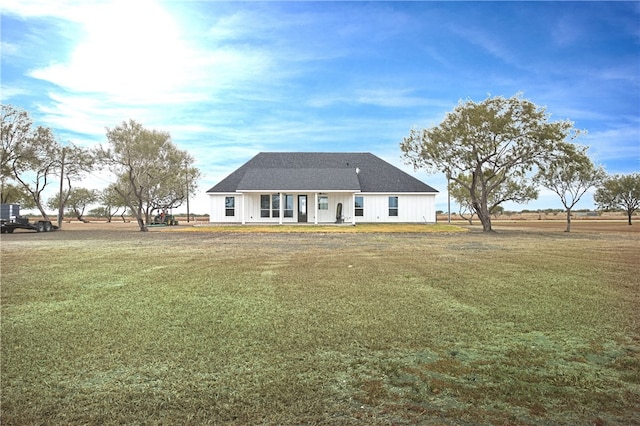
column 16, row 194
column 489, row 148
column 31, row 158
column 152, row 173
column 75, row 162
column 15, row 129
column 460, row 194
column 77, row 200
column 111, row 202
column 620, row 192
column 570, row 174
column 30, row 155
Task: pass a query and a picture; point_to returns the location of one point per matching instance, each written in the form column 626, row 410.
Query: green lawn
column 320, row 328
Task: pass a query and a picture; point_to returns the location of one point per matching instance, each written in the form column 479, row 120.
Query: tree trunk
column 141, row 224
column 479, row 204
column 484, row 216
column 568, row 221
column 44, row 214
column 629, row 214
column 140, row 219
column 80, row 215
column 486, row 222
column 468, row 219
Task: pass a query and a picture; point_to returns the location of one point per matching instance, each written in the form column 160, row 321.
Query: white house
column 298, row 187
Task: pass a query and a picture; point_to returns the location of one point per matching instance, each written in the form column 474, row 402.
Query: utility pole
column 449, row 197
column 60, row 198
column 186, row 175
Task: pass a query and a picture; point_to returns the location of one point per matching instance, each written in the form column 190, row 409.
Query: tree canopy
column 570, row 174
column 77, row 200
column 31, row 158
column 620, row 192
column 112, row 203
column 491, row 149
column 16, row 194
column 29, row 155
column 152, row 173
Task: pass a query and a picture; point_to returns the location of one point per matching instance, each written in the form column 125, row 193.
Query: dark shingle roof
column 299, row 179
column 312, row 171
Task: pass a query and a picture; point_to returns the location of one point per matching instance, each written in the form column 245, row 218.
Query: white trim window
column 323, row 202
column 359, row 205
column 265, row 205
column 275, row 205
column 288, row 205
column 270, row 205
column 229, row 206
column 393, row 206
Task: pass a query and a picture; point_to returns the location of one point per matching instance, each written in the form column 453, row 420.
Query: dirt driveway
column 101, row 229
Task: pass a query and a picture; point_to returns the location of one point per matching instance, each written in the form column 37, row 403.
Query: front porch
column 296, row 207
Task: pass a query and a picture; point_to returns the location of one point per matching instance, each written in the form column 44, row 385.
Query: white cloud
column 245, row 23
column 71, row 10
column 130, row 50
column 9, row 92
column 383, row 97
column 566, row 32
column 611, row 144
column 487, row 41
column 8, row 49
column 402, row 98
column 132, row 62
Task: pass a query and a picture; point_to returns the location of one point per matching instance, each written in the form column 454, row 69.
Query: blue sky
column 230, row 79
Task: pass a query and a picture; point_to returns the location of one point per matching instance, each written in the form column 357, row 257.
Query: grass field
column 530, row 325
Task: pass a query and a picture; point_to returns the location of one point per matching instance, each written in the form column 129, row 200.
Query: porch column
column 243, row 214
column 353, row 209
column 281, row 209
column 315, row 208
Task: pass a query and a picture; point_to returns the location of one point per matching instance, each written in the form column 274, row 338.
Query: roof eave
column 253, row 191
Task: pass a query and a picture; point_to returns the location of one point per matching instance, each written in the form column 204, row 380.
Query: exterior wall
column 217, row 210
column 330, row 214
column 412, row 208
column 416, row 208
column 252, row 205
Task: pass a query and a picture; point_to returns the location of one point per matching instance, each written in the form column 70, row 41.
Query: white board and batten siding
column 412, row 208
column 218, row 208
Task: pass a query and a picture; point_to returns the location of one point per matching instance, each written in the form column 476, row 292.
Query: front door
column 302, row 208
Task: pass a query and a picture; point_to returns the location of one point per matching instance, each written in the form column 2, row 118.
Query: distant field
column 608, row 222
column 102, row 324
column 577, row 225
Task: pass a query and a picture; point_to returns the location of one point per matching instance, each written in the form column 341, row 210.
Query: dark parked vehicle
column 10, row 220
